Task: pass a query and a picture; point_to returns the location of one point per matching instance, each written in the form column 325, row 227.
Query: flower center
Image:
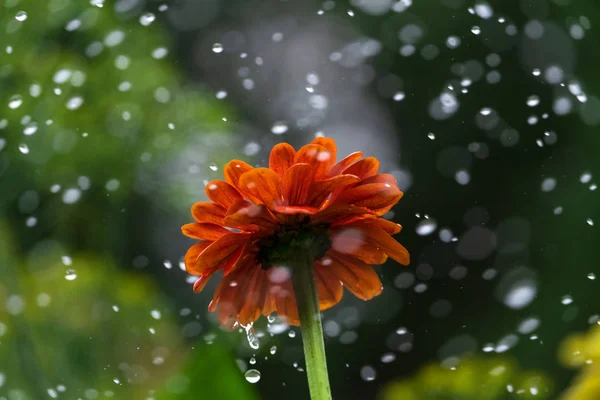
column 284, row 246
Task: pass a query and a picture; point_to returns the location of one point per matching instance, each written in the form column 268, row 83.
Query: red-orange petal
column 364, row 168
column 219, row 251
column 285, row 302
column 336, row 212
column 201, row 283
column 376, row 197
column 352, row 242
column 319, row 191
column 379, row 223
column 328, row 285
column 204, row 231
column 233, row 170
column 253, row 294
column 345, row 163
column 296, row 184
column 358, row 277
column 249, row 217
column 208, row 213
column 261, row 185
column 281, row 158
column 293, row 210
column 387, row 244
column 329, row 144
column 222, row 193
column 319, row 157
column 191, row 258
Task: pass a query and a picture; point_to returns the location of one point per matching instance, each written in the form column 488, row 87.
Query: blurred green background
column 115, row 114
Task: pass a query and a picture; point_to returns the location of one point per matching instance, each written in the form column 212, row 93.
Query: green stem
column 307, row 299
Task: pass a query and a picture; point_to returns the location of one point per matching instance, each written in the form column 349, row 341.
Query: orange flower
column 257, row 212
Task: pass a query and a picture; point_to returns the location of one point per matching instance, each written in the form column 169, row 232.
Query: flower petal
column 364, row 168
column 358, row 277
column 201, row 282
column 376, row 197
column 218, row 252
column 222, row 193
column 336, row 212
column 352, row 241
column 281, row 158
column 285, row 302
column 293, row 210
column 233, row 170
column 296, row 184
column 261, row 185
column 191, row 258
column 345, row 163
column 204, row 231
column 208, row 213
column 319, row 157
column 379, row 223
column 253, row 294
column 249, row 217
column 355, row 234
column 329, row 144
column 329, row 286
column 319, row 191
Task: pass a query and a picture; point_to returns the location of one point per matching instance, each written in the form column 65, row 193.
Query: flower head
column 257, row 215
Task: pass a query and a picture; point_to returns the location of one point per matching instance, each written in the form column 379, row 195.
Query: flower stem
column 307, row 299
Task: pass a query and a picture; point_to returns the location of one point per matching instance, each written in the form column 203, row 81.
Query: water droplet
column 399, row 96
column 292, row 333
column 167, row 264
column 115, row 308
column 74, row 102
column 21, row 16
column 252, row 361
column 159, row 53
column 585, row 177
column 252, row 375
column 66, row 260
column 368, row 373
column 71, row 195
column 213, row 167
column 253, row 341
column 217, row 48
column 590, row 222
column 155, row 314
column 273, row 350
column 23, row 148
column 592, row 276
column 30, row 129
column 426, row 227
column 566, row 300
column 279, row 128
column 15, row 101
column 533, row 100
column 71, row 275
column 476, row 30
column 431, row 135
column 388, row 358
column 147, row 19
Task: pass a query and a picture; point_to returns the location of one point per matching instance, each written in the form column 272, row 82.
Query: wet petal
column 201, row 283
column 219, row 251
column 253, row 293
column 222, row 193
column 191, row 258
column 293, row 210
column 204, row 231
column 337, row 212
column 351, row 241
column 319, row 157
column 345, row 163
column 261, row 185
column 233, row 170
column 385, row 243
column 285, row 302
column 379, row 223
column 329, row 144
column 364, row 168
column 319, row 191
column 208, row 213
column 249, row 217
column 376, row 197
column 281, row 158
column 296, row 184
column 329, row 286
column 358, row 277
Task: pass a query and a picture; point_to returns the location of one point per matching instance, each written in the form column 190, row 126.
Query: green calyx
column 283, row 247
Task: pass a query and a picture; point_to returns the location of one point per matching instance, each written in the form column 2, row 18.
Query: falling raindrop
column 21, row 16
column 15, row 101
column 279, row 128
column 252, row 375
column 213, row 167
column 251, row 336
column 566, row 300
column 147, row 19
column 217, row 48
column 273, row 350
column 476, row 30
column 426, row 227
column 71, row 275
column 591, row 276
column 23, row 148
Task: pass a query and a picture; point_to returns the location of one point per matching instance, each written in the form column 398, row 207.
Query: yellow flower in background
column 488, row 378
column 583, row 351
